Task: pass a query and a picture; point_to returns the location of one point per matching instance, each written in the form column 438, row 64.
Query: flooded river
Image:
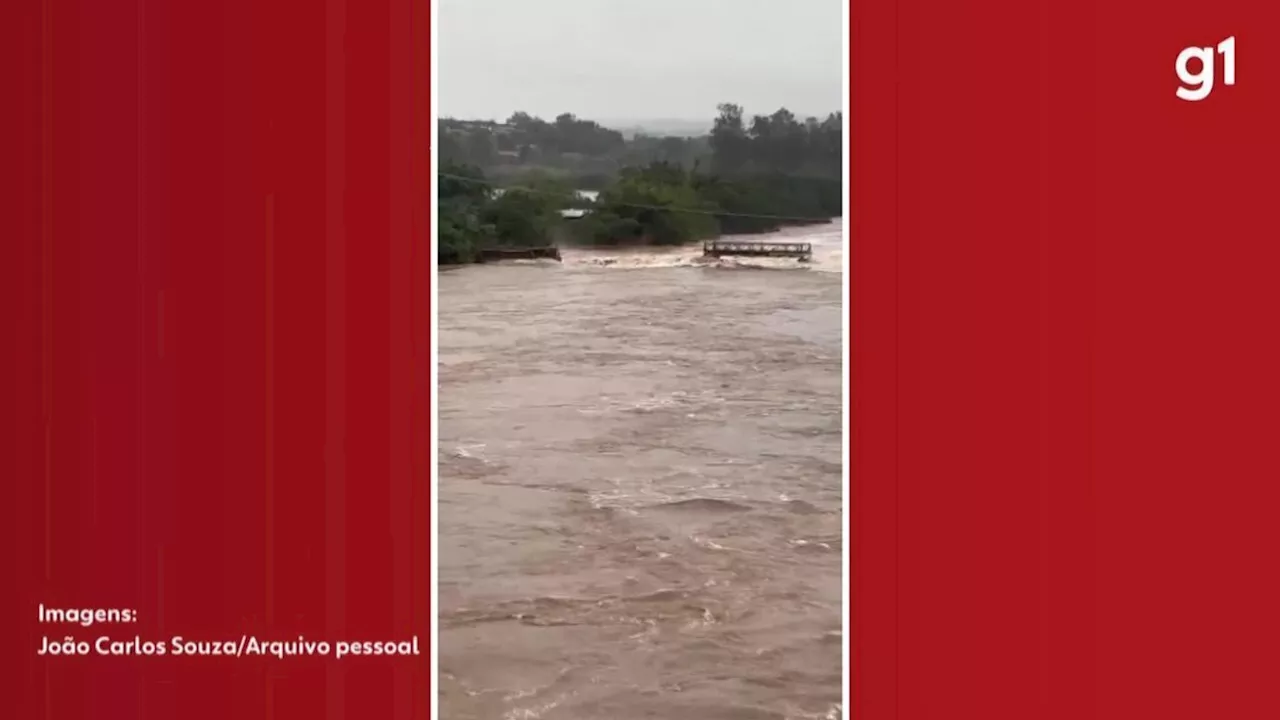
column 640, row 488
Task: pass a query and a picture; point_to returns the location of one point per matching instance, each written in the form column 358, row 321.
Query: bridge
column 532, row 253
column 721, row 248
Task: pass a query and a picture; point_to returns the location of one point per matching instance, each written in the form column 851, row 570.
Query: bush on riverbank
column 663, row 204
column 656, row 205
column 462, row 196
column 473, row 216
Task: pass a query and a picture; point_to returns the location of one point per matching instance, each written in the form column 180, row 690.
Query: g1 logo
column 1197, row 86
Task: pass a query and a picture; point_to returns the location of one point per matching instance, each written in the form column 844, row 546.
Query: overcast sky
column 653, row 59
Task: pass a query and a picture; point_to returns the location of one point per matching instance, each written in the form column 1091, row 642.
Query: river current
column 640, row 493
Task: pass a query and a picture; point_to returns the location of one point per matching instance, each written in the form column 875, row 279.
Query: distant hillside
column 591, row 153
column 662, row 127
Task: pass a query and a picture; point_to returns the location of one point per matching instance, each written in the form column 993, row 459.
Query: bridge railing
column 731, row 247
column 531, row 253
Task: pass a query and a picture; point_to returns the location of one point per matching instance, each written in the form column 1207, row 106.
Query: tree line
column 739, row 178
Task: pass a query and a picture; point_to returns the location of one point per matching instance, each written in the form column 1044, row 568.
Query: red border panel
column 215, row 379
column 1065, row 378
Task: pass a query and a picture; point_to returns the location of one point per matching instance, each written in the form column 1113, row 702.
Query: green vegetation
column 635, row 210
column 473, row 216
column 740, row 178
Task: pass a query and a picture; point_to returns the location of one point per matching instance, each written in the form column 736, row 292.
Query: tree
column 463, row 195
column 460, row 181
column 450, row 149
column 481, row 149
column 657, row 204
column 521, row 218
column 730, row 145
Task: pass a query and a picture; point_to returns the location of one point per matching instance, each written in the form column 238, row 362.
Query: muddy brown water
column 640, row 493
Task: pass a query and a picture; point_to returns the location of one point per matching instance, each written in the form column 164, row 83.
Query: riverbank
column 655, row 206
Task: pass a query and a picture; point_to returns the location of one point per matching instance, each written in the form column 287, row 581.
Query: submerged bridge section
column 533, row 253
column 722, row 248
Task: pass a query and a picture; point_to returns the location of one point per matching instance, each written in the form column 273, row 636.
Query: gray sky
column 652, row 59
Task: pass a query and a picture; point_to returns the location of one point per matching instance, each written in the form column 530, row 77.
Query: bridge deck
column 533, row 253
column 719, row 248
